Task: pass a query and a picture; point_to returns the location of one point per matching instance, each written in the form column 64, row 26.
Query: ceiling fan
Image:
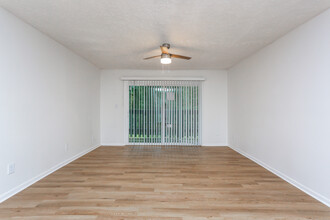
column 166, row 57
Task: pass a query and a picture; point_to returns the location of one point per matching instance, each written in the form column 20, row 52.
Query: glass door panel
column 161, row 113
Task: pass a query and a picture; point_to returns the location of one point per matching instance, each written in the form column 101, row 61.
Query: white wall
column 48, row 97
column 214, row 95
column 279, row 107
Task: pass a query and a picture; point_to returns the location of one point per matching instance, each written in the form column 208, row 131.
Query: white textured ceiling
column 117, row 34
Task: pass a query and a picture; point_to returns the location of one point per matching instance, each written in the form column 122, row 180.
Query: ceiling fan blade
column 164, row 49
column 147, row 58
column 180, row 56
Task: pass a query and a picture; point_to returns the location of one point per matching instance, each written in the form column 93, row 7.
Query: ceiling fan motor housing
column 165, row 55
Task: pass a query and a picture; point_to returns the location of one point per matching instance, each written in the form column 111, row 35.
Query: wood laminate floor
column 174, row 183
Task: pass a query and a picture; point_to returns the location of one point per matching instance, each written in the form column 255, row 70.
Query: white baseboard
column 312, row 193
column 113, row 144
column 203, row 145
column 214, row 145
column 28, row 183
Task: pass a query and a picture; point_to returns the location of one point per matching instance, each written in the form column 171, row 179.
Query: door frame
column 126, row 81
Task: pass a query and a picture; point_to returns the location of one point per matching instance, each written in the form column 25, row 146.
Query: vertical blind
column 164, row 112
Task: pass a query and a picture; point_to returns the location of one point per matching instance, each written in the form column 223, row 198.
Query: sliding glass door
column 164, row 112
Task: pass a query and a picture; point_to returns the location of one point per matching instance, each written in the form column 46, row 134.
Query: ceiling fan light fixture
column 165, row 59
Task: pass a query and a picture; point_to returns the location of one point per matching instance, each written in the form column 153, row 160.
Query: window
column 164, row 112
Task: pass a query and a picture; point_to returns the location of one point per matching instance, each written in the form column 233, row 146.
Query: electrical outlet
column 66, row 147
column 11, row 168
